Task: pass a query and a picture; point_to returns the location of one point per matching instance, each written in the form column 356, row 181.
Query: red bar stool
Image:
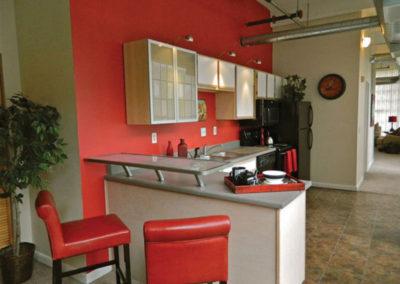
column 81, row 237
column 288, row 162
column 193, row 250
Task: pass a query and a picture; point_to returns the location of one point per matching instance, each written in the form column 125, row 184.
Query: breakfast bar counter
column 267, row 239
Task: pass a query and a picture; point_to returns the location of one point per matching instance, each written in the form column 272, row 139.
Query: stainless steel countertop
column 214, row 188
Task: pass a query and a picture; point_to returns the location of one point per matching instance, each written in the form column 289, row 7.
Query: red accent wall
column 99, row 28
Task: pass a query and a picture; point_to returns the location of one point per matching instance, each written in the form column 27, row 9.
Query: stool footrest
column 87, row 268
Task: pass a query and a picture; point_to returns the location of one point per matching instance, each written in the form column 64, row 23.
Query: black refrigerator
column 296, row 119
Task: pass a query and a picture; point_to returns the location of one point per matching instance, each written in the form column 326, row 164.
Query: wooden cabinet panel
column 261, row 85
column 226, row 76
column 207, row 77
column 244, row 92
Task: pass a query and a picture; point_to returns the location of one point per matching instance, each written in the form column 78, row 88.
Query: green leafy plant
column 30, row 145
column 294, row 87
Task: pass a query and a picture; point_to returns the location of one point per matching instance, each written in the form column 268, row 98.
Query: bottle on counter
column 182, row 149
column 170, row 149
column 262, row 139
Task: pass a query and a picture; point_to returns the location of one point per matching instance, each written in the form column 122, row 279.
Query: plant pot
column 17, row 269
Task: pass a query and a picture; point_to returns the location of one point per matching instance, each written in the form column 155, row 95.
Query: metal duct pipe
column 337, row 27
column 387, row 80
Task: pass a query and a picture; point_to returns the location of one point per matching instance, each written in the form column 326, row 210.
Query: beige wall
column 45, row 54
column 334, row 154
column 12, row 85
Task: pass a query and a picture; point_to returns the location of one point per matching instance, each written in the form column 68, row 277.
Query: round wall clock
column 331, row 86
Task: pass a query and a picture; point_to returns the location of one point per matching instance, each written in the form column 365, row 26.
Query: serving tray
column 292, row 184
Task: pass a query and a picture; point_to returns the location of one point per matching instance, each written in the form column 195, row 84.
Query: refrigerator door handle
column 310, row 116
column 310, row 138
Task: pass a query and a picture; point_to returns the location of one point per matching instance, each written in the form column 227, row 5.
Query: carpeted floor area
column 384, row 175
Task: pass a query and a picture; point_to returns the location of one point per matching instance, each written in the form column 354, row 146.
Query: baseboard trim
column 360, row 183
column 370, row 165
column 335, row 186
column 85, row 278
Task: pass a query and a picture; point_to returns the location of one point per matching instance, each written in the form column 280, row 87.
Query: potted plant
column 30, row 145
column 294, row 87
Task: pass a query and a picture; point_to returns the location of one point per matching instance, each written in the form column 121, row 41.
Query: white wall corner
column 335, row 186
column 84, row 278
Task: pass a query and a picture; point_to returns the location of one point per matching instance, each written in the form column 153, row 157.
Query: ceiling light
column 258, row 61
column 189, row 38
column 232, row 54
column 366, row 41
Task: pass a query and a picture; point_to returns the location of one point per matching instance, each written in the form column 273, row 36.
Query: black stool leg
column 127, row 264
column 117, row 268
column 57, row 279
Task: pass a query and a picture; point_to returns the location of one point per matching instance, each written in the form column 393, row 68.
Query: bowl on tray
column 274, row 177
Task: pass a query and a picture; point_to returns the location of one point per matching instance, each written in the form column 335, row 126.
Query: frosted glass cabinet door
column 207, row 77
column 270, row 86
column 226, row 79
column 261, row 85
column 278, row 87
column 186, row 85
column 162, row 80
column 244, row 92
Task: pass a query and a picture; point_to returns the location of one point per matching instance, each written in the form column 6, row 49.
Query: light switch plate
column 215, row 130
column 203, row 132
column 154, row 138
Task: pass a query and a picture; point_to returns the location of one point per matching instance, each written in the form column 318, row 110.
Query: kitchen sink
column 227, row 155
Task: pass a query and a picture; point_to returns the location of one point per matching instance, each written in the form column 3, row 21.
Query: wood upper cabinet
column 226, row 76
column 260, row 86
column 160, row 83
column 207, row 75
column 215, row 75
column 239, row 104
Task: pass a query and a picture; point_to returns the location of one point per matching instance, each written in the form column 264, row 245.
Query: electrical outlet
column 215, row 130
column 203, row 132
column 154, row 138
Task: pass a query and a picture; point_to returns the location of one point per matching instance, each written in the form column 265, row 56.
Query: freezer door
column 304, row 151
column 303, row 114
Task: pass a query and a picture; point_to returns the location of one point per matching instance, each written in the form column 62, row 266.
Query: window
column 387, row 100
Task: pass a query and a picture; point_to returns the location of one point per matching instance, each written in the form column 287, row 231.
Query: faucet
column 207, row 149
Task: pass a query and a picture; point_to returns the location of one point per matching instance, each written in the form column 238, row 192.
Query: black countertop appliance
column 296, row 119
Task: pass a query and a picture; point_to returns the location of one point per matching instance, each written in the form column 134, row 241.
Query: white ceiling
column 320, row 8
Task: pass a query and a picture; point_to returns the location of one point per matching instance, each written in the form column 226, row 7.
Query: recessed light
column 189, row 38
column 232, row 54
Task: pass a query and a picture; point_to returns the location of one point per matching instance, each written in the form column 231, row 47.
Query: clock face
column 331, row 86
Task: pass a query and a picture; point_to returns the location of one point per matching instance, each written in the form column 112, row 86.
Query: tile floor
column 352, row 237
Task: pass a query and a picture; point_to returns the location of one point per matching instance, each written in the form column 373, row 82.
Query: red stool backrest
column 294, row 159
column 288, row 163
column 193, row 250
column 47, row 210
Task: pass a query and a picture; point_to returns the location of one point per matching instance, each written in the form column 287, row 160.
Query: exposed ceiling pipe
column 275, row 19
column 382, row 58
column 337, row 27
column 387, row 80
column 273, row 3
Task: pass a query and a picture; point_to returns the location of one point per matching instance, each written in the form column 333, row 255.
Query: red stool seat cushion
column 93, row 234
